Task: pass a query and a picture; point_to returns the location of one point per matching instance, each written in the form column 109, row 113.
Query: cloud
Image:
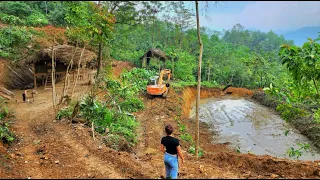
column 275, row 15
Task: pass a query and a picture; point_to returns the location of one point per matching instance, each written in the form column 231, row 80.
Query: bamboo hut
column 42, row 60
column 153, row 53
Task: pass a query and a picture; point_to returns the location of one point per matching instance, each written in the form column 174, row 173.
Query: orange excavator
column 155, row 85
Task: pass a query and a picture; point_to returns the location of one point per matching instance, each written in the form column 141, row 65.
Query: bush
column 12, row 41
column 132, row 105
column 186, row 137
column 290, row 113
column 316, row 116
column 37, row 19
column 5, row 134
column 64, row 113
column 15, row 8
column 10, row 19
column 192, row 150
column 210, row 84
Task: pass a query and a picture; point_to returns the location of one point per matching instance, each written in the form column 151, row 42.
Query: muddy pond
column 252, row 128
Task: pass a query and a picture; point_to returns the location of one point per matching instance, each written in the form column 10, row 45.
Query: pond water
column 251, row 127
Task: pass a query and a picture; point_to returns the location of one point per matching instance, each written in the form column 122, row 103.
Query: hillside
column 300, row 36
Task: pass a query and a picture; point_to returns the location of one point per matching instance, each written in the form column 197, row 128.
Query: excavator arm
column 162, row 73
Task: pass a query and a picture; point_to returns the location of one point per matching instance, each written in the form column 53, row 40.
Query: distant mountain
column 301, row 36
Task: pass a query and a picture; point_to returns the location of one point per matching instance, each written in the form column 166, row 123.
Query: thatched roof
column 155, row 53
column 63, row 54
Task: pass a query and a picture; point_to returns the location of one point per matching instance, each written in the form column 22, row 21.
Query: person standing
column 24, row 95
column 170, row 146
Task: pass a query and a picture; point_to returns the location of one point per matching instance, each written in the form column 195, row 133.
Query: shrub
column 64, row 113
column 10, row 19
column 316, row 116
column 5, row 134
column 12, row 41
column 132, row 105
column 290, row 113
column 15, row 8
column 186, row 137
column 37, row 19
column 192, row 150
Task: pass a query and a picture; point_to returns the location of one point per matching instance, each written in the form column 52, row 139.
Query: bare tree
column 199, row 80
column 199, row 72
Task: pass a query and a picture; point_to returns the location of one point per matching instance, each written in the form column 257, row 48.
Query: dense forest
column 236, row 56
column 125, row 30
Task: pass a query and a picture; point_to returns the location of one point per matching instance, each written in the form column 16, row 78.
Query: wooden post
column 199, row 82
column 34, row 76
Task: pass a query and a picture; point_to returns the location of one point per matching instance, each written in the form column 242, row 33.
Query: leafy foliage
column 12, row 41
column 192, row 151
column 113, row 117
column 5, row 134
column 64, row 113
column 288, row 112
column 296, row 153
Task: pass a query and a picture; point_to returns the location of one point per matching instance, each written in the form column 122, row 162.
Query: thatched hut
column 153, row 53
column 42, row 60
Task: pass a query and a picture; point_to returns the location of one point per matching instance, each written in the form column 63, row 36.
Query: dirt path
column 47, row 148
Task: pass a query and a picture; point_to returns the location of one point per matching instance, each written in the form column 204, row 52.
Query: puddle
column 251, row 127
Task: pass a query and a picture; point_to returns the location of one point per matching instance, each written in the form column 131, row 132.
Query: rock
column 107, row 130
column 44, row 157
column 99, row 147
column 57, row 162
column 201, row 169
column 26, row 162
column 247, row 175
column 273, row 176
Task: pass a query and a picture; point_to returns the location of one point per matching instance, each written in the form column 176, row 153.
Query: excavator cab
column 155, row 85
column 153, row 80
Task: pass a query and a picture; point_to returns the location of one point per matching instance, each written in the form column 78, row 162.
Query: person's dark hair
column 169, row 129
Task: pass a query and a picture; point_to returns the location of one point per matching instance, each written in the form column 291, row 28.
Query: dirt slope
column 59, row 149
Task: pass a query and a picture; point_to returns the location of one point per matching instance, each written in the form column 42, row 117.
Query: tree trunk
column 78, row 70
column 199, row 81
column 46, row 7
column 99, row 59
column 53, row 74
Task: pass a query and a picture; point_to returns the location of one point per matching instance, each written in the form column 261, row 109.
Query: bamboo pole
column 78, row 70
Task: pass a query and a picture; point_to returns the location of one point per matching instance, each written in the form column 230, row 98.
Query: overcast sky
column 262, row 15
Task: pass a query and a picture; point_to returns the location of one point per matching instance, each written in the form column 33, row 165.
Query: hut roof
column 63, row 53
column 155, row 53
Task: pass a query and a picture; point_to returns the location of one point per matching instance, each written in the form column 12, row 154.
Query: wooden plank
column 6, row 91
column 5, row 96
column 34, row 77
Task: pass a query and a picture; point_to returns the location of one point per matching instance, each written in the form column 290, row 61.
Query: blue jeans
column 171, row 164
